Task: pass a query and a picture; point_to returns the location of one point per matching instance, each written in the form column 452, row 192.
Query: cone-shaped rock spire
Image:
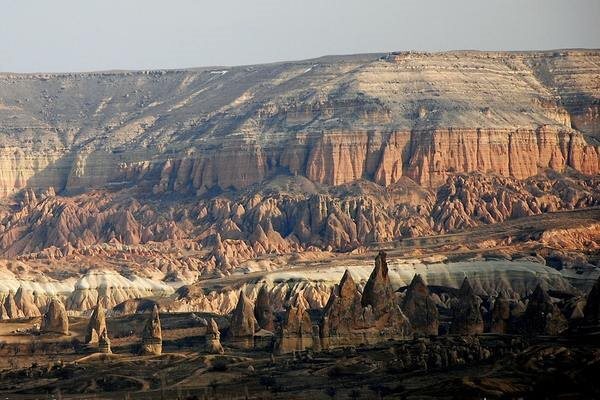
column 243, row 322
column 26, row 303
column 213, row 338
column 152, row 334
column 55, row 320
column 263, row 310
column 96, row 325
column 420, row 308
column 10, row 304
column 466, row 315
column 542, row 317
column 500, row 314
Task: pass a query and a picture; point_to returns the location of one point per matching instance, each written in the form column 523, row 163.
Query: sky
column 88, row 35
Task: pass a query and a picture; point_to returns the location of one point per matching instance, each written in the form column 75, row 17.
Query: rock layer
column 178, row 130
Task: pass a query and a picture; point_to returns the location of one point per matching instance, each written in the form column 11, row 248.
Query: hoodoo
column 213, row 338
column 296, row 332
column 97, row 324
column 26, row 303
column 467, row 318
column 152, row 335
column 542, row 316
column 55, row 320
column 500, row 314
column 263, row 310
column 10, row 305
column 243, row 322
column 420, row 308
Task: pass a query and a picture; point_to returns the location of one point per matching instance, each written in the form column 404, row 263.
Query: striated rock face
column 591, row 311
column 500, row 314
column 179, row 130
column 213, row 338
column 97, row 325
column 55, row 320
column 542, row 317
column 466, row 314
column 243, row 323
column 420, row 309
column 152, row 335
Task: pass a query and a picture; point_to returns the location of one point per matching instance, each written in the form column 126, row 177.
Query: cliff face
column 333, row 120
column 333, row 153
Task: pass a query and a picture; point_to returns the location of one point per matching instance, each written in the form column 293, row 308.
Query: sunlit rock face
column 377, row 120
column 55, row 320
column 111, row 289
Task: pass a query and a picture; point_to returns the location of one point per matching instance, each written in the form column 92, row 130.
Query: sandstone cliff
column 333, row 120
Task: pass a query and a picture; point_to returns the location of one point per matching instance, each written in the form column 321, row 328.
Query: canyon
column 130, row 184
column 401, row 212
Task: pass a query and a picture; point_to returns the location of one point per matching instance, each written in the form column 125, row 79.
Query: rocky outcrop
column 542, row 316
column 343, row 313
column 96, row 326
column 420, row 309
column 104, row 343
column 296, row 330
column 350, row 317
column 152, row 335
column 243, row 323
column 55, row 320
column 263, row 310
column 10, row 305
column 213, row 338
column 376, row 121
column 466, row 313
column 500, row 316
column 26, row 303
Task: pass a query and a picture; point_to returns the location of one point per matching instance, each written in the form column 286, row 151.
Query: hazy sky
column 81, row 35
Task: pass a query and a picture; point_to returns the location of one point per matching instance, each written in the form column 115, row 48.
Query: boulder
column 466, row 315
column 213, row 338
column 152, row 335
column 420, row 308
column 55, row 320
